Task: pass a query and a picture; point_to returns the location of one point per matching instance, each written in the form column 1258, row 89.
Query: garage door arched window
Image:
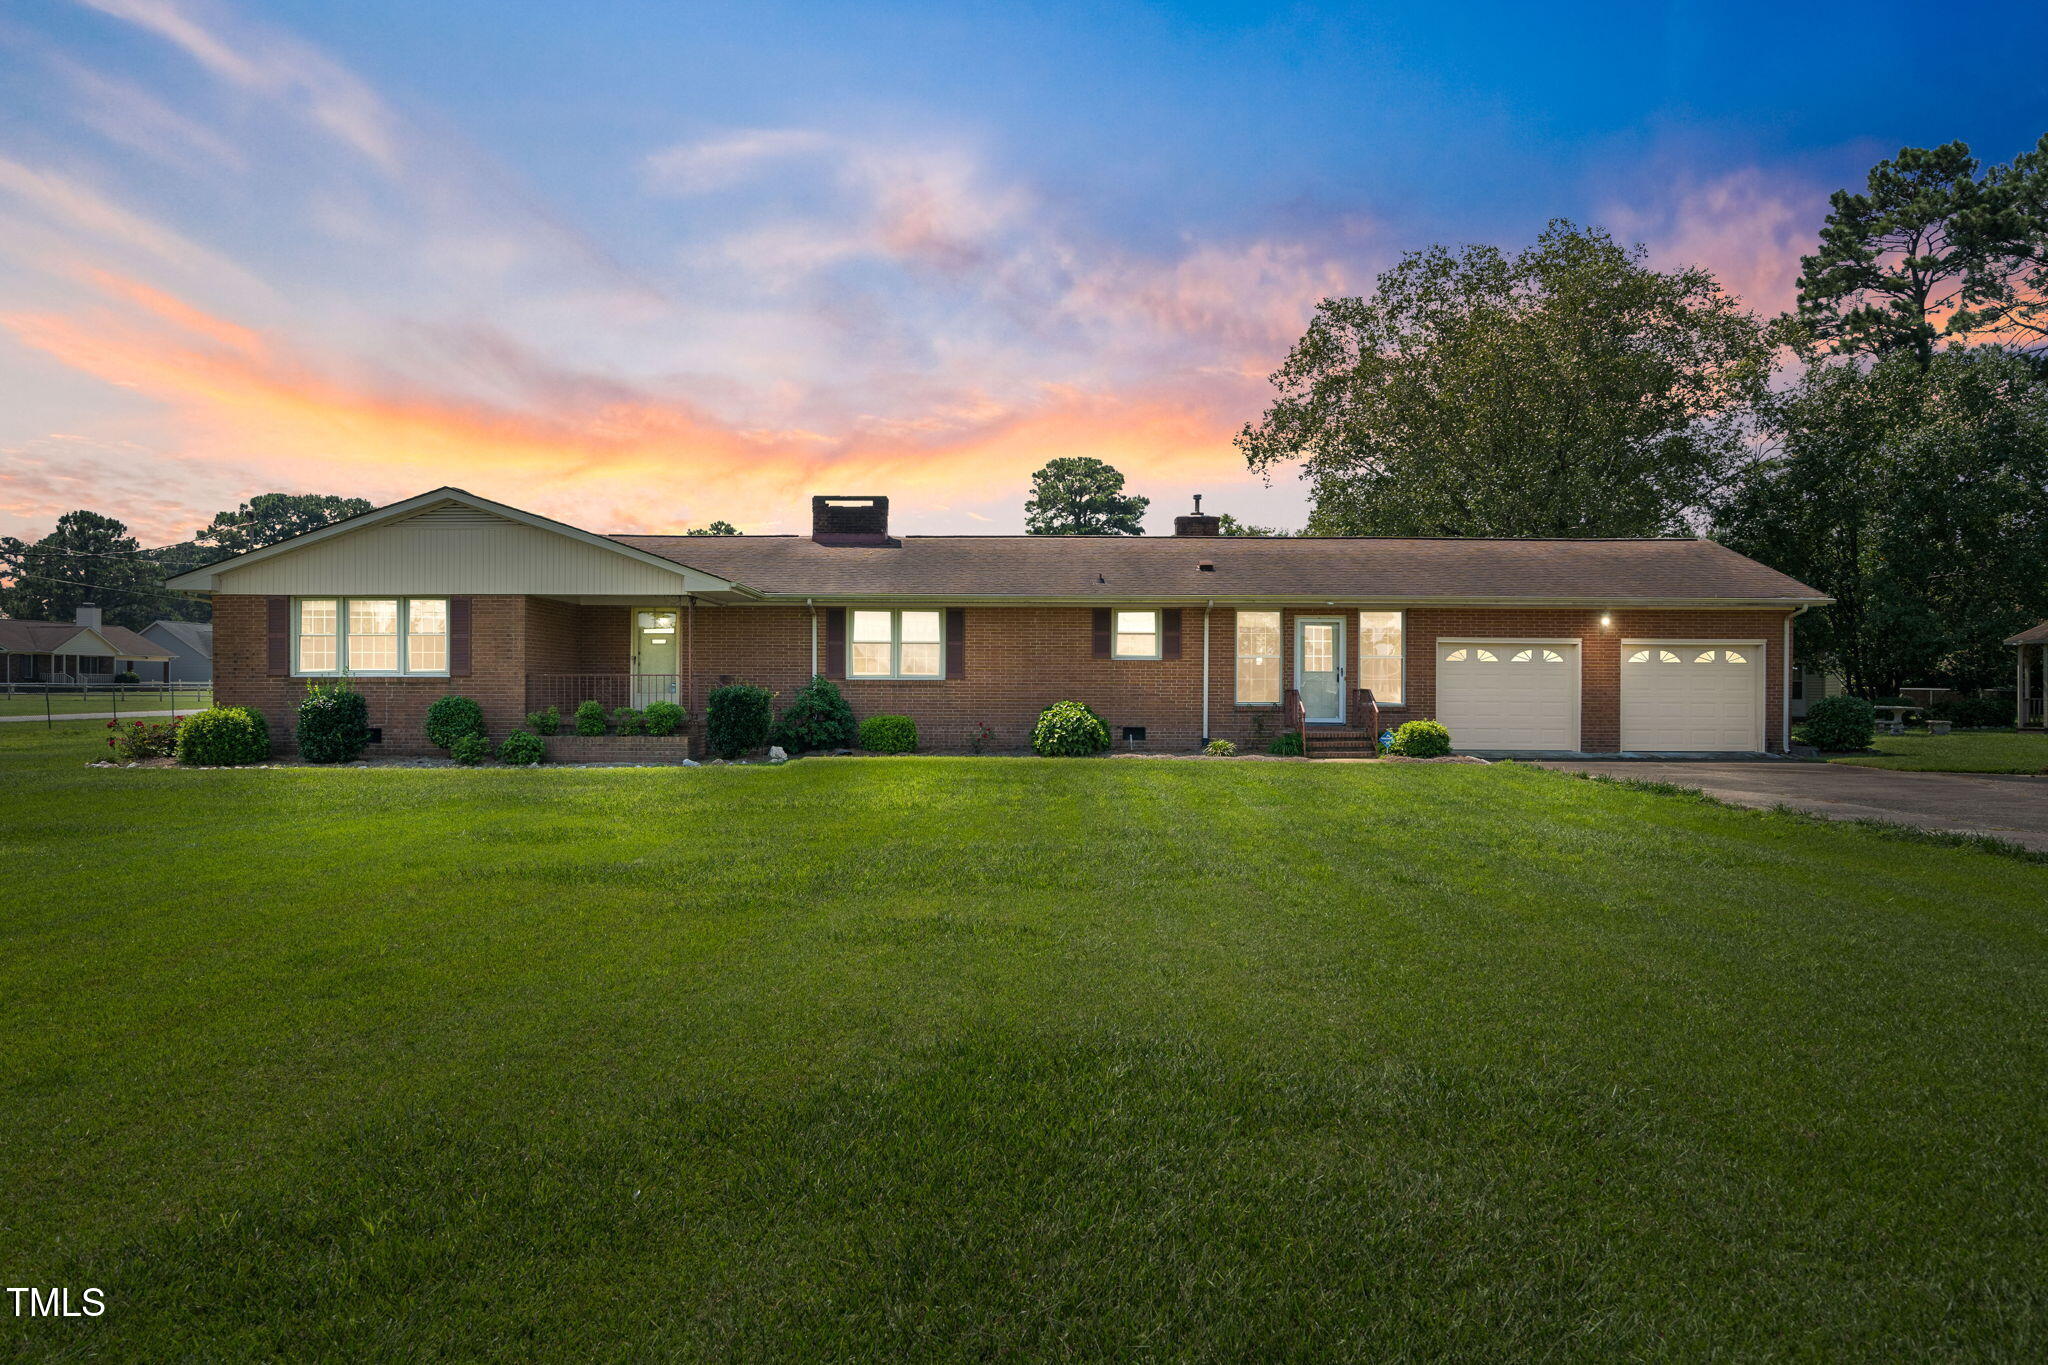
column 1663, row 656
column 1530, row 656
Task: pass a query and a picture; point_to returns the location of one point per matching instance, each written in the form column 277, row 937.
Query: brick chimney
column 1198, row 522
column 88, row 616
column 850, row 521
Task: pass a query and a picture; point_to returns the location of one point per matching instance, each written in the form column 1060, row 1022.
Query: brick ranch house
column 1594, row 646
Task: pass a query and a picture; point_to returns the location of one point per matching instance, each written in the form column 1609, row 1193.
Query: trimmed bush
column 737, row 718
column 1069, row 729
column 818, row 717
column 225, row 737
column 664, row 717
column 590, row 718
column 1220, row 748
column 889, row 734
column 546, row 721
column 1421, row 739
column 334, row 724
column 1288, row 745
column 1839, row 724
column 1975, row 713
column 627, row 721
column 523, row 747
column 450, row 718
column 140, row 740
column 470, row 750
column 127, row 675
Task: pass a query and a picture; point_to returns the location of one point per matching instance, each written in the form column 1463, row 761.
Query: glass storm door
column 1319, row 666
column 655, row 675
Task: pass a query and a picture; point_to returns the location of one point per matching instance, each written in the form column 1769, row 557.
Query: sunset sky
column 643, row 265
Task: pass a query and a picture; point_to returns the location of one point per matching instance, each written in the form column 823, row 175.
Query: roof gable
column 449, row 540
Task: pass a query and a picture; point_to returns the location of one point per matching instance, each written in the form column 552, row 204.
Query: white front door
column 1701, row 697
column 1319, row 667
column 655, row 674
column 1509, row 694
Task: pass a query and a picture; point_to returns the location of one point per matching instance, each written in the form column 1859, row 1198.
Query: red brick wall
column 1019, row 659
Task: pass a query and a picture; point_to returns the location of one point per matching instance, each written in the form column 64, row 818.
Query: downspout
column 814, row 636
column 1207, row 608
column 1785, row 688
column 690, row 656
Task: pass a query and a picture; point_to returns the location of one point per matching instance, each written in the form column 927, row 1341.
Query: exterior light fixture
column 1605, row 619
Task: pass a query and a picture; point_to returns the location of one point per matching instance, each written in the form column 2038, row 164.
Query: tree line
column 1885, row 442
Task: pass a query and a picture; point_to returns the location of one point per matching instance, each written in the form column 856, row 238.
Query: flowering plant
column 139, row 740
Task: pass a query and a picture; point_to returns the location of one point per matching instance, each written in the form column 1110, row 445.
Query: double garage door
column 1675, row 696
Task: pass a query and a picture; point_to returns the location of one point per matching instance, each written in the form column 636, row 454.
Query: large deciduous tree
column 1927, row 250
column 1077, row 495
column 1919, row 501
column 1566, row 390
column 87, row 558
column 270, row 517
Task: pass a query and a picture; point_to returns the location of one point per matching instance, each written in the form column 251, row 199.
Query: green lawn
column 1971, row 751
column 72, row 703
column 873, row 1059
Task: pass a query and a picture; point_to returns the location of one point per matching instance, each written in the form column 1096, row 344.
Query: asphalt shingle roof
column 1169, row 567
column 40, row 637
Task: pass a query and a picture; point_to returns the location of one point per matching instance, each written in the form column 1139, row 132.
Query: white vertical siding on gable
column 467, row 553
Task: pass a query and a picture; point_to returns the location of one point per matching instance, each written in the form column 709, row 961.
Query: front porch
column 2031, row 676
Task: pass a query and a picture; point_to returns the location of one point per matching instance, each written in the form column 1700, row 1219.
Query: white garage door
column 1691, row 697
column 1504, row 694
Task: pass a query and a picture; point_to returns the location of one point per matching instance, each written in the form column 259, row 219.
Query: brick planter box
column 618, row 748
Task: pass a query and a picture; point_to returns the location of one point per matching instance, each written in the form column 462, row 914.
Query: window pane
column 871, row 627
column 1258, row 658
column 920, row 660
column 1315, row 649
column 427, row 616
column 316, row 636
column 869, row 660
column 921, row 626
column 1134, row 623
column 1380, row 650
column 373, row 635
column 426, row 653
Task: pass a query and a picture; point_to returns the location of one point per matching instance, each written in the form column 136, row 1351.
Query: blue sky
column 643, row 265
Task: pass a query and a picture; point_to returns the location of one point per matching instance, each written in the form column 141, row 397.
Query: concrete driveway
column 2011, row 807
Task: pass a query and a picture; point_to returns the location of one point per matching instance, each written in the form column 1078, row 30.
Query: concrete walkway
column 39, row 717
column 2006, row 806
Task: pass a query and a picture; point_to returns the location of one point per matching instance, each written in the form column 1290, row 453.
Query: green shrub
column 818, row 717
column 334, row 724
column 1839, row 724
column 1974, row 713
column 452, row 717
column 523, row 747
column 547, row 721
column 1069, row 729
column 590, row 718
column 224, row 737
column 470, row 750
column 889, row 734
column 1220, row 748
column 627, row 721
column 1288, row 744
column 737, row 718
column 1421, row 739
column 127, row 675
column 141, row 739
column 664, row 717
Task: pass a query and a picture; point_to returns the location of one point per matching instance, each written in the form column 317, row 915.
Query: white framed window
column 370, row 636
column 1134, row 635
column 1383, row 656
column 896, row 644
column 1258, row 658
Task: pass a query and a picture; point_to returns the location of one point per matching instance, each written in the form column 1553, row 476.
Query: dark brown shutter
column 1169, row 633
column 835, row 642
column 277, row 636
column 956, row 642
column 458, row 637
column 1102, row 632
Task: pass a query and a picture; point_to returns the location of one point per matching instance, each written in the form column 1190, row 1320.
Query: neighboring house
column 191, row 643
column 82, row 651
column 1809, row 685
column 1528, row 645
column 2031, row 647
